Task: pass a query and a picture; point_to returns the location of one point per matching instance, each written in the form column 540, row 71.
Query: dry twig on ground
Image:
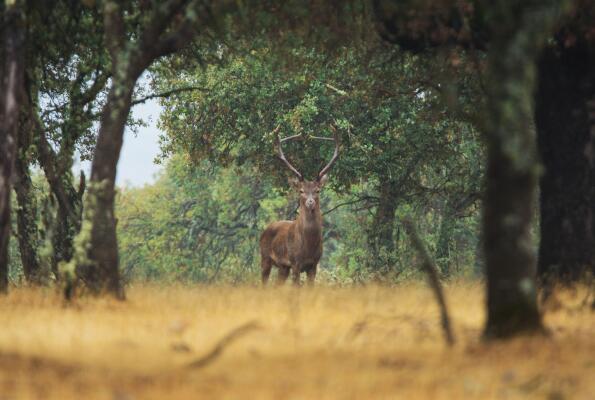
column 430, row 269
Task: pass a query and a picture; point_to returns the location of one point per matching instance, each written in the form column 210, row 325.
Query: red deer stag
column 297, row 245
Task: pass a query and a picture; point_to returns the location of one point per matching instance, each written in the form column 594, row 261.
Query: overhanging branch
column 168, row 93
column 351, row 202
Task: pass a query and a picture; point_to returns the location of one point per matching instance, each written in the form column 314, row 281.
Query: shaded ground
column 350, row 343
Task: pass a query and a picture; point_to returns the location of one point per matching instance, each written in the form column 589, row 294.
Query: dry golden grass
column 325, row 343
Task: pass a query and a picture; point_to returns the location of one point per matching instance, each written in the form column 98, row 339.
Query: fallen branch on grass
column 430, row 269
column 222, row 344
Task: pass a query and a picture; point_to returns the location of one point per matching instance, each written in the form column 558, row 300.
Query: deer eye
column 317, row 190
column 302, row 191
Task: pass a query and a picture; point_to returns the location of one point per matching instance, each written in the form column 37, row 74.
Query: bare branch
column 299, row 135
column 322, row 138
column 48, row 160
column 168, row 93
column 222, row 345
column 430, row 269
column 341, row 92
column 98, row 84
column 351, row 202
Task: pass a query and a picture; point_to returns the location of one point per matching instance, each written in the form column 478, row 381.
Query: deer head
column 309, row 190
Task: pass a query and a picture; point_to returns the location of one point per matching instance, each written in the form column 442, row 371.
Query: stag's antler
column 323, row 172
column 280, row 154
column 335, row 138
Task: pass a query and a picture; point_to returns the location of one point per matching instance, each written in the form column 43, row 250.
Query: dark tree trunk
column 11, row 89
column 28, row 234
column 519, row 33
column 510, row 262
column 380, row 237
column 566, row 141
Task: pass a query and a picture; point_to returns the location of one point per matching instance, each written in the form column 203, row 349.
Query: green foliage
column 388, row 120
column 202, row 223
column 195, row 224
column 400, row 141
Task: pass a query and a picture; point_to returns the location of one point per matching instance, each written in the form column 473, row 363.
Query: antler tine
column 280, row 154
column 335, row 154
column 299, row 135
column 322, row 138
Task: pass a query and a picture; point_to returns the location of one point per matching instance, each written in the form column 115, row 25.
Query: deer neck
column 309, row 223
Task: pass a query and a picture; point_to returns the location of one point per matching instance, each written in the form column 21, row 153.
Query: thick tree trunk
column 519, row 33
column 99, row 267
column 28, row 234
column 510, row 262
column 566, row 141
column 10, row 94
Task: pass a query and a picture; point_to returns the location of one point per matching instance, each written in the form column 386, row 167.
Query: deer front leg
column 311, row 274
column 282, row 275
column 266, row 265
column 295, row 275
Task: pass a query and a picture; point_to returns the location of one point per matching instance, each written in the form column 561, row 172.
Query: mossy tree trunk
column 566, row 138
column 11, row 89
column 96, row 259
column 519, row 32
column 99, row 268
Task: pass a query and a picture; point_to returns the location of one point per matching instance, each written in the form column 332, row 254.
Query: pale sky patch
column 136, row 167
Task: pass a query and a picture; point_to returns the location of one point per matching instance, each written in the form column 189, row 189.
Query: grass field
column 323, row 343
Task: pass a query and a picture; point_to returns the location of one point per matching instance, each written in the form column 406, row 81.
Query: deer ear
column 294, row 182
column 322, row 180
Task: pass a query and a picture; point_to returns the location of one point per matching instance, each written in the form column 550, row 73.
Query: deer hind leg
column 295, row 275
column 311, row 274
column 266, row 265
column 282, row 275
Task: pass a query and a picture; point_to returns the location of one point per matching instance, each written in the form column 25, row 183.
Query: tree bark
column 10, row 95
column 519, row 32
column 566, row 140
column 99, row 266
